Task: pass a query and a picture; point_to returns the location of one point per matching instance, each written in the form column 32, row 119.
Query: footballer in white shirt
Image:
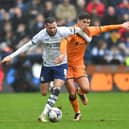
column 50, row 38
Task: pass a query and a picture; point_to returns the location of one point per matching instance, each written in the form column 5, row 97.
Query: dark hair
column 84, row 15
column 50, row 20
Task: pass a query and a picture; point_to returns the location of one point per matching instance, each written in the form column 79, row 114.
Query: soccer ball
column 55, row 114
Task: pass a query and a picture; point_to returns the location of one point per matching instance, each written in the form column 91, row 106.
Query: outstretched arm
column 24, row 48
column 96, row 30
column 125, row 25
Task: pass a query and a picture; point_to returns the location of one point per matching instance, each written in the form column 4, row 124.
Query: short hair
column 84, row 15
column 50, row 20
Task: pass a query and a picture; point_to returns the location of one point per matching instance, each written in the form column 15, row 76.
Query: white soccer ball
column 55, row 114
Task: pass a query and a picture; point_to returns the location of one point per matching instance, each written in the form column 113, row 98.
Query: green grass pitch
column 104, row 111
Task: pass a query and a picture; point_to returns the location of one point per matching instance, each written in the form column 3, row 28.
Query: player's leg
column 83, row 89
column 73, row 98
column 83, row 82
column 57, row 84
column 59, row 76
column 45, row 78
column 44, row 91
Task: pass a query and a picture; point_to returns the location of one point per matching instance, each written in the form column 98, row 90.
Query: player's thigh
column 44, row 88
column 83, row 83
column 70, row 86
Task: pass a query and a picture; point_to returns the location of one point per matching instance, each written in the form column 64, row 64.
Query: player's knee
column 56, row 91
column 86, row 90
column 72, row 92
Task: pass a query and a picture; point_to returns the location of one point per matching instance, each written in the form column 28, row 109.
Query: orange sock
column 75, row 105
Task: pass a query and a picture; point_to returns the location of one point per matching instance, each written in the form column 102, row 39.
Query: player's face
column 84, row 23
column 51, row 28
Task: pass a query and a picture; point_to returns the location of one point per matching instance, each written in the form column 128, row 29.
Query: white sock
column 51, row 101
column 46, row 110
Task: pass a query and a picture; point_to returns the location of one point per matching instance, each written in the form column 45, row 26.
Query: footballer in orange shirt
column 74, row 47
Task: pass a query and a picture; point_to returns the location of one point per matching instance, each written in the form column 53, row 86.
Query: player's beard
column 51, row 33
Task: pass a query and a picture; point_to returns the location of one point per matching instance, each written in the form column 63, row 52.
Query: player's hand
column 6, row 60
column 59, row 59
column 125, row 25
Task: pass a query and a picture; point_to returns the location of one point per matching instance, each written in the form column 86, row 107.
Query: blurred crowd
column 22, row 19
